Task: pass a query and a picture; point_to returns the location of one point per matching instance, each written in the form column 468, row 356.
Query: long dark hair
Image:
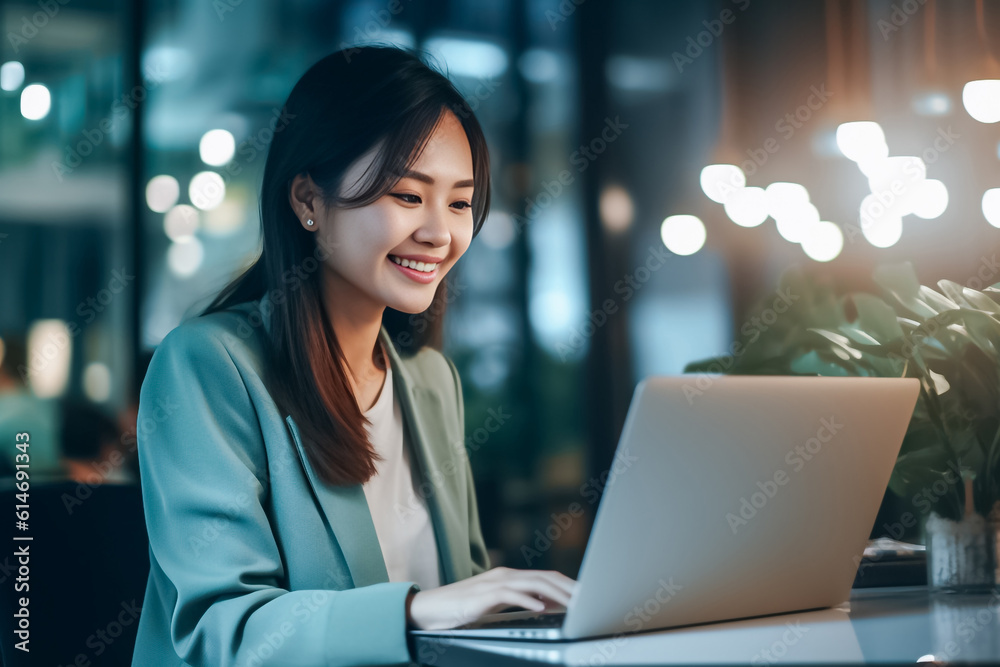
column 346, row 104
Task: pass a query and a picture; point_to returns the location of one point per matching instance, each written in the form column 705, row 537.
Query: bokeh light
column 50, row 346
column 683, row 234
column 883, row 231
column 97, row 382
column 930, row 199
column 217, row 147
column 720, row 181
column 824, row 241
column 11, row 75
column 35, row 101
column 185, row 257
column 207, row 190
column 982, row 100
column 747, row 207
column 862, row 140
column 784, row 197
column 616, row 208
column 795, row 223
column 162, row 192
column 181, row 222
column 991, row 206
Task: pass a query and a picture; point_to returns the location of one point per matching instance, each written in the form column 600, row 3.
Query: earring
column 310, row 222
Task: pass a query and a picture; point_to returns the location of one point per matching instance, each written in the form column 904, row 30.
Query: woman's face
column 426, row 217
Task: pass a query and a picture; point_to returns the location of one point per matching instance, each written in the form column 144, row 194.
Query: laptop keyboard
column 541, row 621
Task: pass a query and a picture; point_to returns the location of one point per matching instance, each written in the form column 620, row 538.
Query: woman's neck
column 357, row 324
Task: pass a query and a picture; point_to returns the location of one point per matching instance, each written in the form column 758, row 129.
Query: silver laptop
column 729, row 497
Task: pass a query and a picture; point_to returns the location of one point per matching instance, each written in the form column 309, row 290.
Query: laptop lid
column 738, row 496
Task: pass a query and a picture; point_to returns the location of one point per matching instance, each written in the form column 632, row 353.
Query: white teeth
column 418, row 266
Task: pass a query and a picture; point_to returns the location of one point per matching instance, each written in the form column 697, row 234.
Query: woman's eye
column 408, row 198
column 414, row 199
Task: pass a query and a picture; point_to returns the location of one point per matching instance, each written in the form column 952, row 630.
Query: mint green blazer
column 253, row 559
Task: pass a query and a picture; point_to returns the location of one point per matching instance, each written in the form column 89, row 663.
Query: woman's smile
column 417, row 273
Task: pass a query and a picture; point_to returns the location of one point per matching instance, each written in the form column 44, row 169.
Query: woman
column 306, row 487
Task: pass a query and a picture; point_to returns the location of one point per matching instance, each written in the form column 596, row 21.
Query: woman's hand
column 492, row 591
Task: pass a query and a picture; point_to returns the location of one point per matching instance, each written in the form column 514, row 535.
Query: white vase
column 962, row 555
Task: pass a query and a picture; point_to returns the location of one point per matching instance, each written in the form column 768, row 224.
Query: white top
column 403, row 526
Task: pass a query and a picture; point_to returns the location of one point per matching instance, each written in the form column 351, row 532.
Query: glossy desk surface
column 882, row 626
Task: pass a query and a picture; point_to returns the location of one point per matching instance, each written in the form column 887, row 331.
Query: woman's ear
column 302, row 195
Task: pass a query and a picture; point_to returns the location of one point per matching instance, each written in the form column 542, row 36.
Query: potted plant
column 949, row 462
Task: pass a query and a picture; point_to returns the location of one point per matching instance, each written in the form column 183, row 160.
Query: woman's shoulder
column 432, row 361
column 222, row 333
column 422, row 360
column 434, row 368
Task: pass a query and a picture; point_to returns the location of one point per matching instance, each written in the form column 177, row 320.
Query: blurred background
column 656, row 167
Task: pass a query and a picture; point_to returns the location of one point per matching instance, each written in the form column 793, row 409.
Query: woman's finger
column 540, row 586
column 509, row 596
column 560, row 579
column 553, row 578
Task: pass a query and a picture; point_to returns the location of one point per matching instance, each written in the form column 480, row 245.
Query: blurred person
column 91, row 445
column 306, row 487
column 21, row 411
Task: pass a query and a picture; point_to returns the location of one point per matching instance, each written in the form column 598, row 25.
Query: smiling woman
column 281, row 498
column 361, row 118
column 426, row 218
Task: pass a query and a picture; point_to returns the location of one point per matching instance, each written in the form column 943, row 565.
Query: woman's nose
column 434, row 229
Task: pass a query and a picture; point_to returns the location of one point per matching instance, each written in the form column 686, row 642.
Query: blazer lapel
column 346, row 508
column 425, row 416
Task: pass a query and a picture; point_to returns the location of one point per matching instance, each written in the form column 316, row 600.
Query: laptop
column 729, row 497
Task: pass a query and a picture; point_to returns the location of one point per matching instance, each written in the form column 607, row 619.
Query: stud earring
column 310, row 222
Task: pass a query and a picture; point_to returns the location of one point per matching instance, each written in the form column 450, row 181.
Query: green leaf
column 953, row 291
column 876, row 317
column 970, row 452
column 937, row 301
column 841, row 344
column 900, row 282
column 925, row 463
column 811, row 364
column 980, row 301
column 857, row 335
column 983, row 330
column 703, row 365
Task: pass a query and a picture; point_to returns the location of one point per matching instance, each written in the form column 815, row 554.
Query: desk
column 885, row 626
